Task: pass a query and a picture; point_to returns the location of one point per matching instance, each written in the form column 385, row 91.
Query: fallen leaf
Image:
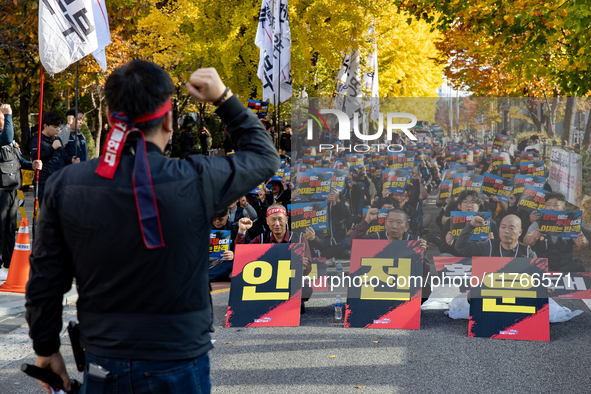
column 358, row 387
column 376, row 341
column 227, row 343
column 333, row 356
column 323, row 347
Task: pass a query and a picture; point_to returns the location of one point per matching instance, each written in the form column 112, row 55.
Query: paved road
column 320, row 356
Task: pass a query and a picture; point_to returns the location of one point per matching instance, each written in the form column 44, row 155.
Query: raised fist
column 372, row 214
column 477, row 221
column 244, row 224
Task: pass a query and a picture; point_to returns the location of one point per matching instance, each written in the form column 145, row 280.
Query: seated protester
column 416, row 194
column 277, row 222
column 468, row 201
column 392, row 228
column 339, row 221
column 557, row 250
column 279, row 194
column 220, row 269
column 401, row 201
column 526, row 218
column 396, row 229
column 240, row 209
column 354, row 194
column 443, row 204
column 259, row 203
column 507, row 246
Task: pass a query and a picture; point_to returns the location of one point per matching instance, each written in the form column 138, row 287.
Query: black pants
column 184, row 154
column 8, row 211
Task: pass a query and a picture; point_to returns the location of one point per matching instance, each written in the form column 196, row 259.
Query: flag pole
column 279, row 80
column 36, row 203
column 76, row 115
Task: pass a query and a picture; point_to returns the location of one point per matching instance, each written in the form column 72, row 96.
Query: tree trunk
column 551, row 125
column 25, row 99
column 569, row 119
column 587, row 137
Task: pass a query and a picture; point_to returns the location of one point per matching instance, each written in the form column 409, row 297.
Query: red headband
column 271, row 211
column 143, row 189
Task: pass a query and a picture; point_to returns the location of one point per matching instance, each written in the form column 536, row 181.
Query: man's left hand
column 75, row 160
column 423, row 244
column 55, row 363
column 228, row 255
column 37, row 165
column 581, row 241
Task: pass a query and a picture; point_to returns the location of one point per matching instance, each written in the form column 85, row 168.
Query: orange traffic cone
column 18, row 273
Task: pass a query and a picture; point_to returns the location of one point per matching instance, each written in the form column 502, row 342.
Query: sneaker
column 3, row 273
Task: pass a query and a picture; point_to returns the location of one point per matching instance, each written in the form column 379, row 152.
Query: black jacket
column 285, row 142
column 53, row 159
column 186, row 141
column 136, row 303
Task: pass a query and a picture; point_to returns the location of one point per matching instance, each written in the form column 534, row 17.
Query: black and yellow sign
column 266, row 286
column 385, row 286
column 512, row 299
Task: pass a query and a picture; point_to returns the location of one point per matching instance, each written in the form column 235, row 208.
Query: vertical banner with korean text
column 565, row 174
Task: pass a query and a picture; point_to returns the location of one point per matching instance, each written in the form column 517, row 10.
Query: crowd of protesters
column 351, row 209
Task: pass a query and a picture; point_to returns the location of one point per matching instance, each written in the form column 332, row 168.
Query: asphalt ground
column 320, row 356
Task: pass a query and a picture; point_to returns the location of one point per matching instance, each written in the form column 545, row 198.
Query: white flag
column 103, row 33
column 282, row 50
column 274, row 41
column 342, row 78
column 66, row 33
column 354, row 100
column 264, row 40
column 370, row 78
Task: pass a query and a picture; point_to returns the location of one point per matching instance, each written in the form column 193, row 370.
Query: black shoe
column 302, row 308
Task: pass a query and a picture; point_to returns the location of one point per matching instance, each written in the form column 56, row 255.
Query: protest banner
column 256, row 189
column 339, row 176
column 565, row 174
column 219, row 242
column 529, row 156
column 460, row 219
column 511, row 301
column 502, row 141
column 445, row 189
column 393, row 272
column 266, row 286
column 488, row 149
column 310, row 161
column 509, row 171
column 309, row 214
column 401, row 160
column 496, row 186
column 353, row 159
column 378, row 224
column 532, row 199
column 466, row 181
column 498, row 159
column 318, row 276
column 535, row 168
column 314, row 185
column 522, row 180
column 395, row 180
column 566, row 224
column 571, row 285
